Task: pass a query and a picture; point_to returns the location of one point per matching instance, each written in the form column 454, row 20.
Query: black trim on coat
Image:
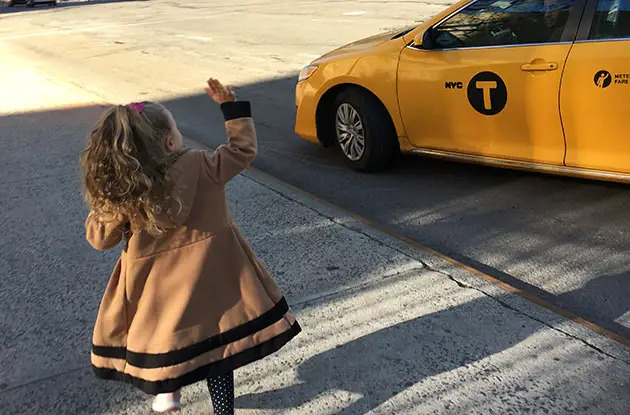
column 211, row 370
column 156, row 360
column 236, row 109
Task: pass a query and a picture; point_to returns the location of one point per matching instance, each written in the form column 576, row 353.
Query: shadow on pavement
column 597, row 297
column 465, row 345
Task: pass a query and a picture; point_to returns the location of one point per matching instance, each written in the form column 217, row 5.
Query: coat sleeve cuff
column 236, row 109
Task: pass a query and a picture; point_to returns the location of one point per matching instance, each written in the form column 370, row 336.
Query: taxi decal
column 603, row 79
column 487, row 93
column 454, row 85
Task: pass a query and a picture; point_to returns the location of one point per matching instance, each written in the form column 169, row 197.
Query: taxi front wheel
column 364, row 131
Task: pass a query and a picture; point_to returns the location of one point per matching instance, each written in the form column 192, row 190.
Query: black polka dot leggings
column 222, row 393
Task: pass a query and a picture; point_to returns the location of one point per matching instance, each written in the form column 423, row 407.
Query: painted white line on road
column 69, row 31
column 202, row 38
column 354, row 13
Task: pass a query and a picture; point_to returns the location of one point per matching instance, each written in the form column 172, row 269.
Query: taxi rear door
column 486, row 80
column 595, row 91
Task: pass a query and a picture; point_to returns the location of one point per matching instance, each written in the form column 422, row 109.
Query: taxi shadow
column 529, row 230
column 61, row 4
column 561, row 232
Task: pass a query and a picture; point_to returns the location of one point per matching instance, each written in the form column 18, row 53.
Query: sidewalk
column 388, row 329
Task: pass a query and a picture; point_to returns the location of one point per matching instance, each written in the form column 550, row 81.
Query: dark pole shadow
column 600, row 291
column 599, row 301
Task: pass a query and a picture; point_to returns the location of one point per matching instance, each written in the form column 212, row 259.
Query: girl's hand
column 220, row 93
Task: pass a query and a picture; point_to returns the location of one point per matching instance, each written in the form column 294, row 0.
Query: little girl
column 187, row 300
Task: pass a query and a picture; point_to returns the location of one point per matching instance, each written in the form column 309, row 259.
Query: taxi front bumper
column 306, row 109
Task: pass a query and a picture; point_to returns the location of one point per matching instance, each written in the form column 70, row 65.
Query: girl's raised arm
column 230, row 159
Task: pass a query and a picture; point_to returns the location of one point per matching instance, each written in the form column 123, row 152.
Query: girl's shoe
column 166, row 402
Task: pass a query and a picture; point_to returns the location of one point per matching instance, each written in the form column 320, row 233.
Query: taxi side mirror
column 425, row 40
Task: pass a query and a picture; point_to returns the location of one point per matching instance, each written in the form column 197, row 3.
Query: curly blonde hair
column 126, row 167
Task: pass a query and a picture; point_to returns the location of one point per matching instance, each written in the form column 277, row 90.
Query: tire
column 30, row 4
column 53, row 3
column 380, row 143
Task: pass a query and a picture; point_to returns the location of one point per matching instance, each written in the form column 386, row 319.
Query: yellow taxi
column 526, row 84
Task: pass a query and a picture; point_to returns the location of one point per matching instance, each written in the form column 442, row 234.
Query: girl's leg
column 222, row 393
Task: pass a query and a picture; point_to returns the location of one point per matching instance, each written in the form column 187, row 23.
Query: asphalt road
column 566, row 240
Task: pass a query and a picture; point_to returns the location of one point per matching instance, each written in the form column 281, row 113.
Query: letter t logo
column 487, row 86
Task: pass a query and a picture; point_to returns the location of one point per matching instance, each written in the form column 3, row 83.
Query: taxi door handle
column 539, row 66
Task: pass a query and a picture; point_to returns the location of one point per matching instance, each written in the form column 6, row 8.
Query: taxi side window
column 504, row 22
column 612, row 20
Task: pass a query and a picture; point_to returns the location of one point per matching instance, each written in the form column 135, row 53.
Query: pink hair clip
column 138, row 106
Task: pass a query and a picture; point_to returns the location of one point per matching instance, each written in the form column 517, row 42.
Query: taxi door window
column 504, row 22
column 612, row 20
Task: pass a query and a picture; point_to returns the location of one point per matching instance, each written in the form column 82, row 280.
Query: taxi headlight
column 307, row 72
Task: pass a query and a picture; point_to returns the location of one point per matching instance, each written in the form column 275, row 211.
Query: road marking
column 202, row 38
column 354, row 13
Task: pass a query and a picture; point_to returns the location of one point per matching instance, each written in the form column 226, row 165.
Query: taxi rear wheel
column 363, row 130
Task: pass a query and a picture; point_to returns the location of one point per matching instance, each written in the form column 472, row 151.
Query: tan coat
column 196, row 302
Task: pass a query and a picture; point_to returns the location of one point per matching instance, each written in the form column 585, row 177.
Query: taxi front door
column 488, row 82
